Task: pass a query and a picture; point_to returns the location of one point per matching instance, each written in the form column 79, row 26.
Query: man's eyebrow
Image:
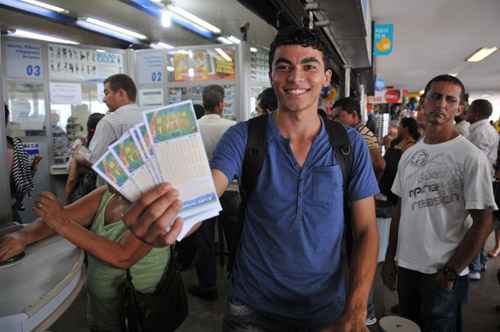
column 283, row 60
column 309, row 59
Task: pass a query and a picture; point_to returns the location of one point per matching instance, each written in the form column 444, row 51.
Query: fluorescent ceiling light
column 234, row 39
column 224, row 40
column 481, row 54
column 46, row 6
column 223, row 54
column 161, row 45
column 254, row 50
column 38, row 36
column 453, row 74
column 100, row 51
column 115, row 28
column 170, row 68
column 192, row 18
column 166, row 19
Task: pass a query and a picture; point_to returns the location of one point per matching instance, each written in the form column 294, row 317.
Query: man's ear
column 328, row 77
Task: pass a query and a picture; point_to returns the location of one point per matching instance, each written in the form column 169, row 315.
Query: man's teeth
column 296, row 91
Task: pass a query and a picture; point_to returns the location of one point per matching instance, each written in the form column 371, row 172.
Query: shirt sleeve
column 229, row 152
column 396, row 185
column 363, row 182
column 478, row 188
column 104, row 135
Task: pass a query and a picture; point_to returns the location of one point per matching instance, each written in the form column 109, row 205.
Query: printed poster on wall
column 24, row 60
column 65, row 93
column 72, row 63
column 202, row 65
column 150, row 68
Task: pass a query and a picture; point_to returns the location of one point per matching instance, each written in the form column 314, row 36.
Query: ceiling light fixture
column 114, row 28
column 47, row 6
column 234, row 39
column 453, row 74
column 166, row 19
column 224, row 40
column 223, row 54
column 19, row 33
column 254, row 50
column 481, row 54
column 179, row 12
column 161, row 45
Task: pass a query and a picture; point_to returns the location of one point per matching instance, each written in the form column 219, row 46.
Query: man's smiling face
column 298, row 73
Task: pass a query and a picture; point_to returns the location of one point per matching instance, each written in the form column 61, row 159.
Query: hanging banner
column 24, row 60
column 150, row 68
column 383, row 39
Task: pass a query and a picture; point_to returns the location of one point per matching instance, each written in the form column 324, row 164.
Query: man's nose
column 296, row 74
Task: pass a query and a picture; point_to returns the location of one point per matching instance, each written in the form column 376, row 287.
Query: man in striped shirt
column 347, row 111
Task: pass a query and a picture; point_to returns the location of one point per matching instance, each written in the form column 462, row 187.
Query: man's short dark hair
column 122, row 81
column 349, row 105
column 212, row 96
column 482, row 108
column 199, row 110
column 7, row 113
column 449, row 79
column 293, row 35
column 267, row 100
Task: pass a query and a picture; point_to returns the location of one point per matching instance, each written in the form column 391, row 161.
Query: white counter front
column 36, row 290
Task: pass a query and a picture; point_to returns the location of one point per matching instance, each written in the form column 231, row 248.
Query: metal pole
column 347, row 81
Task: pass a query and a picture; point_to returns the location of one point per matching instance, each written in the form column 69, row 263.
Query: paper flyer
column 174, row 132
column 128, row 155
column 109, row 168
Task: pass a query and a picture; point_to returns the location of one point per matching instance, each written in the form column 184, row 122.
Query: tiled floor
column 479, row 312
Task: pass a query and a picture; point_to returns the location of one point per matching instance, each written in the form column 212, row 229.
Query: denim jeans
column 433, row 308
column 479, row 261
column 239, row 317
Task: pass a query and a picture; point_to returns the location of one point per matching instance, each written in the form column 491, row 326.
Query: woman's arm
column 122, row 254
column 82, row 211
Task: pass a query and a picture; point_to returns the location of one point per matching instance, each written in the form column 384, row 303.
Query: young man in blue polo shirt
column 288, row 274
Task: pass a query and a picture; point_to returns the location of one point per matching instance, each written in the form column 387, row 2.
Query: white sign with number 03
column 24, row 60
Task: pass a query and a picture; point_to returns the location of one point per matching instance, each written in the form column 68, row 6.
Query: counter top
column 37, row 289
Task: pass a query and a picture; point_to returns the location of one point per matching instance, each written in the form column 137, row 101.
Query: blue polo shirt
column 290, row 261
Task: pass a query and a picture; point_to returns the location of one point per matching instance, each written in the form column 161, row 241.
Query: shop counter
column 37, row 289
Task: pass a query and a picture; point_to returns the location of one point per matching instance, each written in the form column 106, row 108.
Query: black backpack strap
column 339, row 140
column 255, row 154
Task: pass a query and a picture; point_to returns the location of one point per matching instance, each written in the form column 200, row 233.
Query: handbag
column 163, row 310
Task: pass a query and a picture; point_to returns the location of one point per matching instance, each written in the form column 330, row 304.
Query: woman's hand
column 11, row 245
column 48, row 208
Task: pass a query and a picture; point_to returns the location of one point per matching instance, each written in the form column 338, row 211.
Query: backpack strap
column 339, row 140
column 255, row 154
